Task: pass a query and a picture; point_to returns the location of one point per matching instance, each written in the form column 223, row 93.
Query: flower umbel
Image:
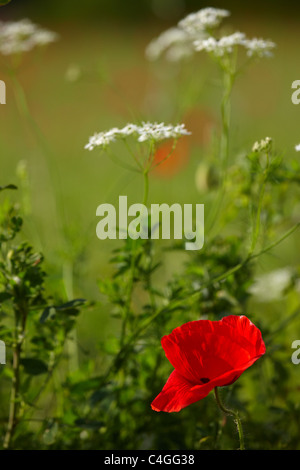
column 146, row 132
column 174, row 43
column 204, row 19
column 263, row 145
column 207, row 354
column 259, row 47
column 221, row 46
column 22, row 36
column 196, row 32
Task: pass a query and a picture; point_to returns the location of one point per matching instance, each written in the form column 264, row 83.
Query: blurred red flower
column 201, row 122
column 168, row 161
column 207, row 354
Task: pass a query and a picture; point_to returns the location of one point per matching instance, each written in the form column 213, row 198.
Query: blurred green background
column 97, row 77
column 145, row 9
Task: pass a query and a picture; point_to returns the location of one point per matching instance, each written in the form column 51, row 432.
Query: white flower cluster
column 203, row 20
column 271, row 286
column 297, row 148
column 221, row 46
column 262, row 145
column 177, row 43
column 146, row 132
column 224, row 45
column 157, row 132
column 194, row 33
column 174, row 42
column 259, row 47
column 22, row 36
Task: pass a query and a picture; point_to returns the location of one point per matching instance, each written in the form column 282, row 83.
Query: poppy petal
column 211, row 349
column 179, row 393
column 249, row 335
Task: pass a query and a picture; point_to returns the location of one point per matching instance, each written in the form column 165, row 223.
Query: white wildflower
column 235, row 39
column 222, row 46
column 174, row 43
column 157, row 132
column 22, row 36
column 177, row 43
column 271, row 286
column 203, row 20
column 208, row 45
column 129, row 129
column 194, row 33
column 262, row 145
column 297, row 148
column 225, row 45
column 102, row 139
column 43, row 37
column 146, row 132
column 167, row 39
column 179, row 52
column 259, row 47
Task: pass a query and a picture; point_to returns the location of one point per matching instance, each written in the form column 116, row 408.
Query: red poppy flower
column 168, row 161
column 207, row 354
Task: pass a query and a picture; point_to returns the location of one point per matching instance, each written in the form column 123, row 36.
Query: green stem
column 229, row 77
column 128, row 301
column 43, row 387
column 132, row 268
column 133, row 155
column 13, row 406
column 256, row 227
column 68, row 280
column 226, row 112
column 277, row 242
column 146, row 187
column 235, row 415
column 15, row 390
column 120, row 163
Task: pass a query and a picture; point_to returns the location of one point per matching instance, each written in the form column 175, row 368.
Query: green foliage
column 32, row 326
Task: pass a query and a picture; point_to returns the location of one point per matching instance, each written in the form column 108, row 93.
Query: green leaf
column 34, row 366
column 49, row 312
column 86, row 385
column 50, row 433
column 69, row 307
column 8, row 186
column 4, row 296
column 88, row 424
column 71, row 304
column 99, row 395
column 4, row 2
column 111, row 345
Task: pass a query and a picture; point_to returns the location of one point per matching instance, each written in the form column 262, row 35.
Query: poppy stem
column 235, row 415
